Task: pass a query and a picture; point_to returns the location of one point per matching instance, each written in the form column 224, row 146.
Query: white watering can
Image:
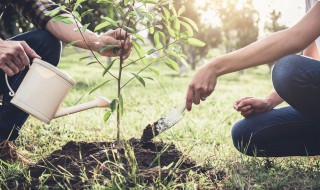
column 42, row 91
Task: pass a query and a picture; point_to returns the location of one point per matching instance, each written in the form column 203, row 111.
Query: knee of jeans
column 241, row 136
column 284, row 73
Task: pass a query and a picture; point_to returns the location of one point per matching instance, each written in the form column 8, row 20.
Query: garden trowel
column 164, row 123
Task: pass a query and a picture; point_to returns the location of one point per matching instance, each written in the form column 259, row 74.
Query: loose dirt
column 80, row 164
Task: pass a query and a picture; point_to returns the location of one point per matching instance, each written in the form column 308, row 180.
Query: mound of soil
column 79, row 164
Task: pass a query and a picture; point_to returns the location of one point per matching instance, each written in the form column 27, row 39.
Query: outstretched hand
column 201, row 86
column 250, row 105
column 14, row 56
column 121, row 41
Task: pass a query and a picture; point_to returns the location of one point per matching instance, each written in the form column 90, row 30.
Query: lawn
column 203, row 134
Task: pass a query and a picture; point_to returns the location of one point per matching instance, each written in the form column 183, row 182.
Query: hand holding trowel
column 164, row 123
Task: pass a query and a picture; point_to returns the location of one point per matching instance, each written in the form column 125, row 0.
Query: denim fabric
column 287, row 131
column 49, row 49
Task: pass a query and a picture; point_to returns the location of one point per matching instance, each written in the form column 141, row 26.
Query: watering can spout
column 98, row 102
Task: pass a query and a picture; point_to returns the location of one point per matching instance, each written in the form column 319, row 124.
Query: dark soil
column 81, row 164
column 149, row 132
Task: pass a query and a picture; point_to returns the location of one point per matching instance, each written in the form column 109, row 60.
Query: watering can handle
column 11, row 93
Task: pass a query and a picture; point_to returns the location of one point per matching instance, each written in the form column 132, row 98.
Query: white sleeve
column 309, row 4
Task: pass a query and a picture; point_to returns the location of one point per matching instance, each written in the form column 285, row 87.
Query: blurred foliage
column 12, row 23
column 206, row 32
column 239, row 23
column 273, row 25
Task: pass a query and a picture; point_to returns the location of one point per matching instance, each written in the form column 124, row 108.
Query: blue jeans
column 286, row 131
column 49, row 49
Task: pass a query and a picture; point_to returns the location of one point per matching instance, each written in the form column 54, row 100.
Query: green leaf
column 106, row 47
column 107, row 115
column 78, row 3
column 108, row 67
column 181, row 10
column 195, row 42
column 165, row 2
column 140, row 79
column 64, row 19
column 113, row 104
column 92, row 62
column 76, row 14
column 99, row 86
column 121, row 105
column 139, row 37
column 105, row 1
column 156, row 38
column 188, row 27
column 177, row 56
column 166, row 14
column 151, row 51
column 102, row 25
column 170, row 31
column 150, row 2
column 111, row 21
column 163, row 38
column 155, row 71
column 150, row 27
column 140, row 52
column 86, row 57
column 151, row 30
column 184, row 62
column 125, row 2
column 86, row 12
column 172, row 64
column 55, row 11
column 72, row 43
column 132, row 30
column 84, row 27
column 176, row 24
column 148, row 16
column 148, row 78
column 168, row 166
column 174, row 11
column 140, row 14
column 119, row 9
column 191, row 22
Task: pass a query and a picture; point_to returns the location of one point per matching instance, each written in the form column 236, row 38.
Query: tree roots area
column 83, row 165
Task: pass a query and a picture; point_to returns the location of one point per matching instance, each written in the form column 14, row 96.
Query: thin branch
column 142, row 70
column 152, row 53
column 90, row 49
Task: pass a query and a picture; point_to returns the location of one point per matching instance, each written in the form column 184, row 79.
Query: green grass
column 205, row 131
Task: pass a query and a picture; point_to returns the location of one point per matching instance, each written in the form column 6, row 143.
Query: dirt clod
column 149, row 132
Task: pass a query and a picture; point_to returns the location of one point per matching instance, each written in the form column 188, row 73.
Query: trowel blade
column 164, row 123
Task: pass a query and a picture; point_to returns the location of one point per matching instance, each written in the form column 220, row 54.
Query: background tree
column 205, row 32
column 239, row 23
column 273, row 25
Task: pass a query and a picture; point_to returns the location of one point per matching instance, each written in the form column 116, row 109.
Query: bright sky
column 292, row 10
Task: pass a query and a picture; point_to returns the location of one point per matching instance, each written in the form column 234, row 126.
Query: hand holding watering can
column 43, row 90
